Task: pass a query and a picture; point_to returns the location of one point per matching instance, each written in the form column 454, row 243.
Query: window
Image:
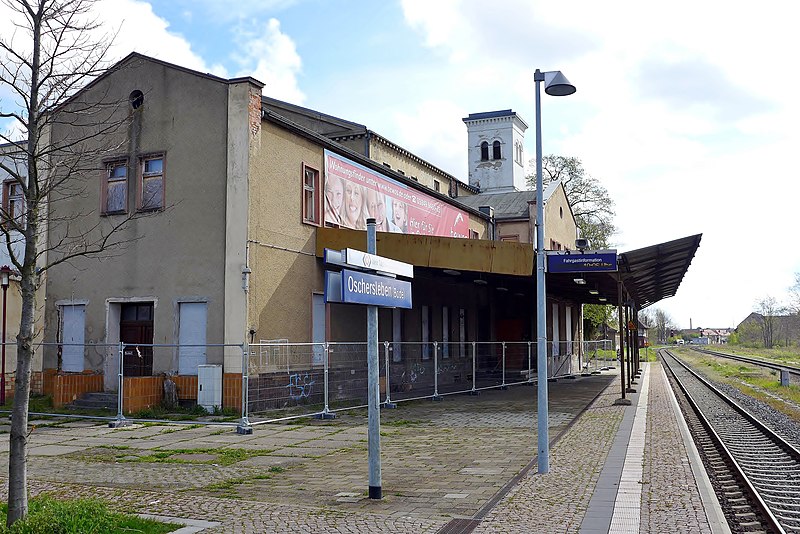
column 473, row 234
column 310, row 195
column 437, row 186
column 115, row 188
column 513, row 238
column 14, row 202
column 151, row 175
column 484, row 151
column 496, row 150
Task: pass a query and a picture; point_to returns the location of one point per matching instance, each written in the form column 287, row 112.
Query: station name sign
column 586, row 262
column 370, row 289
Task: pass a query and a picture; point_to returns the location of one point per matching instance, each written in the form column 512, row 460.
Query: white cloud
column 434, row 132
column 270, row 56
column 683, row 110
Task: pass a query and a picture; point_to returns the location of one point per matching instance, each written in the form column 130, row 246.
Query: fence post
column 530, row 370
column 474, row 357
column 244, row 423
column 120, row 420
column 388, row 403
column 326, row 413
column 436, row 395
column 503, row 383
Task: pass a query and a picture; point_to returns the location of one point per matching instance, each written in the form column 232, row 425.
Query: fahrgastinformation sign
column 586, row 262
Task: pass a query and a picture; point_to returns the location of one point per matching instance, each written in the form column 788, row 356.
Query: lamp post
column 555, row 84
column 5, row 275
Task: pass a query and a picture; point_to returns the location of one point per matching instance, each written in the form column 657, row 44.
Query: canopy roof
column 654, row 273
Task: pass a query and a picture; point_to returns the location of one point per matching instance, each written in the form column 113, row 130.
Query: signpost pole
column 373, row 387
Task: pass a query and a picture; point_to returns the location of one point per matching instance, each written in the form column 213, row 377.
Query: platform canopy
column 654, row 273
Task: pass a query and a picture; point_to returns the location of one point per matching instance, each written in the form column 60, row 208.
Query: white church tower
column 496, row 156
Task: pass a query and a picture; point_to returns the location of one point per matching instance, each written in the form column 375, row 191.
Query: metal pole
column 474, row 391
column 436, row 396
column 503, row 385
column 542, row 415
column 621, row 334
column 244, row 424
column 327, row 353
column 3, row 372
column 530, row 370
column 386, row 370
column 373, row 385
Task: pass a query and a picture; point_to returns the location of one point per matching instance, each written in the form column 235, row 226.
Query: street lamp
column 5, row 275
column 555, row 84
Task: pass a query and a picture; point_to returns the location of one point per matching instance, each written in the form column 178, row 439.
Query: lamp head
column 556, row 84
column 5, row 273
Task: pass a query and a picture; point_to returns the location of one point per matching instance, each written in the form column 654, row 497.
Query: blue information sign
column 587, row 262
column 363, row 288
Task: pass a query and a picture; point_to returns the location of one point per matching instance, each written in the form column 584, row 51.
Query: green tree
column 589, row 199
column 594, row 317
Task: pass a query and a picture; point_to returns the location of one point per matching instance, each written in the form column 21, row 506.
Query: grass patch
column 47, row 515
column 403, row 422
column 221, row 456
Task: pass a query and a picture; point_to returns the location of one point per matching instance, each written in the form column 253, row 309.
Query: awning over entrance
column 483, row 256
column 654, row 273
column 649, row 274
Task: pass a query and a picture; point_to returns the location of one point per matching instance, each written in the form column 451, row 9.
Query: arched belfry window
column 484, row 151
column 496, row 150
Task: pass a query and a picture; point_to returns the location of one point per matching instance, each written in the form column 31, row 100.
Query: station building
column 226, row 201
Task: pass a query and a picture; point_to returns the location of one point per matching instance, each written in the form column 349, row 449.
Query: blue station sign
column 586, row 262
column 370, row 289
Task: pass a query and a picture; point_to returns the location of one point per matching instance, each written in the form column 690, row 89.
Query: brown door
column 136, row 329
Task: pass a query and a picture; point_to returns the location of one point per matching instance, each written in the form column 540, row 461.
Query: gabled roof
column 283, row 122
column 339, row 129
column 509, row 205
column 135, row 56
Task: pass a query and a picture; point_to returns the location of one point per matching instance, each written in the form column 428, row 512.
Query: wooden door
column 136, row 330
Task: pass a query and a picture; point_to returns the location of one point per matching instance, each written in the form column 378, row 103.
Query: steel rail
column 754, row 361
column 753, row 487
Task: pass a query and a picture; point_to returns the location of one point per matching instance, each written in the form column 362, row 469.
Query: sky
column 685, row 111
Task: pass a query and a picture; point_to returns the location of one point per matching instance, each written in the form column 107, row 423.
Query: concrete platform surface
column 461, row 465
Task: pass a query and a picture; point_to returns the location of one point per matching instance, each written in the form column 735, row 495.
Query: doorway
column 135, row 330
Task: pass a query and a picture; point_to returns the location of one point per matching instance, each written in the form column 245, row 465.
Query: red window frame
column 310, row 195
column 142, row 176
column 107, row 180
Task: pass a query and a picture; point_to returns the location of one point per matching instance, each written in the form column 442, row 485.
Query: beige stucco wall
column 285, row 271
column 559, row 222
column 171, row 255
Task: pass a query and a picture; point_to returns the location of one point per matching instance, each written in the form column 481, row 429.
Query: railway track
column 755, row 472
column 753, row 361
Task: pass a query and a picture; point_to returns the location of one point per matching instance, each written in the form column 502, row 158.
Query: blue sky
column 686, row 111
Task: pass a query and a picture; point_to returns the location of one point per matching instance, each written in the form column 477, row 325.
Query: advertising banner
column 353, row 193
column 601, row 261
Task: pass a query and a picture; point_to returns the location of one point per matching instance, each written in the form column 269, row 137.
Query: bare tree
column 769, row 309
column 54, row 51
column 590, row 201
column 794, row 295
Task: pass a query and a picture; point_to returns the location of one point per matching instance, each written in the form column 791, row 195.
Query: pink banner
column 353, row 193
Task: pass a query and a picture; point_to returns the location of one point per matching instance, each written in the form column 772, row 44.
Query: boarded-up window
column 152, row 182
column 115, row 194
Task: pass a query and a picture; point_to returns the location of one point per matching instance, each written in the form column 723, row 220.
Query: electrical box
column 209, row 386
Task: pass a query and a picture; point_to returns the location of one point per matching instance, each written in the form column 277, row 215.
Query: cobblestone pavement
column 556, row 502
column 441, row 461
column 670, row 498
